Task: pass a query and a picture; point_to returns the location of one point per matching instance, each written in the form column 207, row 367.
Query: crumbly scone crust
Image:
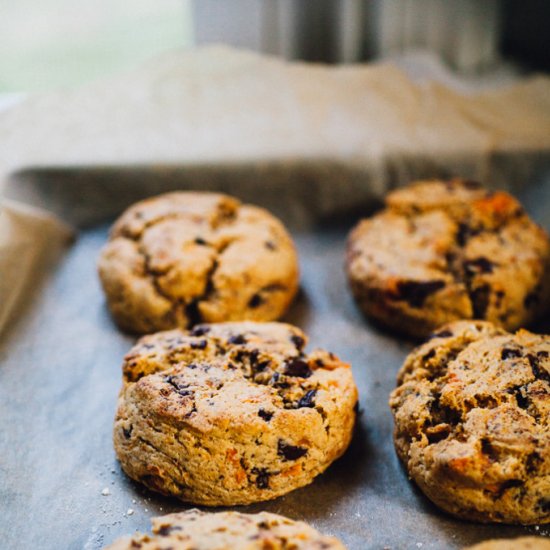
column 196, row 530
column 231, row 413
column 448, row 250
column 183, row 258
column 521, row 543
column 472, row 422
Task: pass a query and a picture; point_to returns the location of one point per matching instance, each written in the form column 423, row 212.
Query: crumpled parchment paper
column 30, row 241
column 219, row 106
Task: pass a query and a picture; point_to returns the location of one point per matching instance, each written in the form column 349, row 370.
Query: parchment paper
column 217, row 107
column 31, row 241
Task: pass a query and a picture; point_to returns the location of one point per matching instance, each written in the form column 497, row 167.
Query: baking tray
column 60, row 375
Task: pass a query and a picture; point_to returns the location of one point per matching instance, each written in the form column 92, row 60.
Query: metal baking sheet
column 60, row 375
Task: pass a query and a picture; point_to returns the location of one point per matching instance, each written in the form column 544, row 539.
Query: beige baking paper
column 219, row 107
column 30, row 242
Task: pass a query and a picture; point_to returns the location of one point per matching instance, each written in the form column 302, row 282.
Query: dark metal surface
column 59, row 378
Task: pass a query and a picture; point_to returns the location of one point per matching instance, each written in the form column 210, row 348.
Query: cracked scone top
column 449, row 250
column 196, row 530
column 472, row 422
column 181, row 258
column 231, row 413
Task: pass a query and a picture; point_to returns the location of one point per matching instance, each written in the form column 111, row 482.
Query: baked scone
column 472, row 422
column 182, row 258
column 231, row 413
column 196, row 530
column 447, row 250
column 521, row 543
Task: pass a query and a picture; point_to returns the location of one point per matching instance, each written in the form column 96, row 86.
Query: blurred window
column 47, row 44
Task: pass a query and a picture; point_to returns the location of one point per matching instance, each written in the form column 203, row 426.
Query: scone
column 231, row 413
column 196, row 530
column 472, row 422
column 521, row 543
column 448, row 250
column 183, row 258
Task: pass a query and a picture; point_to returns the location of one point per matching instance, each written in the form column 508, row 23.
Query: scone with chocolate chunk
column 449, row 250
column 472, row 422
column 196, row 530
column 521, row 543
column 231, row 413
column 183, row 258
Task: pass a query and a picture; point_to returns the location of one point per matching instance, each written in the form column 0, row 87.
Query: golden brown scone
column 472, row 422
column 196, row 530
column 521, row 543
column 232, row 413
column 449, row 250
column 183, row 258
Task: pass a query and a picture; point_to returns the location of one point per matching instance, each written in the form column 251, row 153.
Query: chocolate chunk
column 192, row 313
column 258, row 366
column 127, row 432
column 262, row 477
column 275, row 381
column 543, row 504
column 201, row 344
column 200, row 330
column 508, row 353
column 480, row 300
column 521, row 399
column 488, row 449
column 181, row 388
column 429, row 355
column 167, row 529
column 270, row 245
column 538, row 373
column 441, row 334
column 262, row 365
column 478, row 265
column 255, row 363
column 416, row 292
column 297, row 367
column 307, row 400
column 237, row 339
column 462, row 234
column 200, row 241
column 298, row 341
column 290, row 452
column 543, row 354
column 266, row 415
column 255, row 301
